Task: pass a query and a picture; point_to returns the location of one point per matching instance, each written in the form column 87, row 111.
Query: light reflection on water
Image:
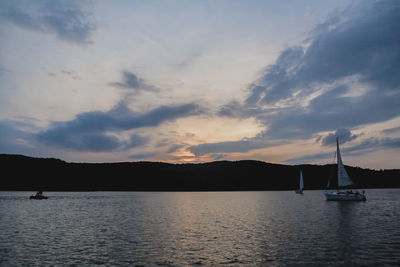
column 198, row 228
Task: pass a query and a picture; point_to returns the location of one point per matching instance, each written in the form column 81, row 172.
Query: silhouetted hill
column 48, row 174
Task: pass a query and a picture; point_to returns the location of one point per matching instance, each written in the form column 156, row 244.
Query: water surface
column 198, row 228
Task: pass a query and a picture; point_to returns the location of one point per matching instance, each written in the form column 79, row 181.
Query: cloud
column 367, row 146
column 217, row 156
column 221, row 147
column 357, row 42
column 234, row 109
column 68, row 20
column 90, row 131
column 12, row 139
column 66, row 73
column 136, row 141
column 131, row 81
column 371, row 145
column 391, row 130
column 174, row 148
column 279, row 80
column 344, row 135
column 244, row 145
column 94, row 142
column 346, row 77
column 142, row 155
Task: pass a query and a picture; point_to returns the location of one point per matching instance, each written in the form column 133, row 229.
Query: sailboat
column 343, row 180
column 39, row 195
column 301, row 187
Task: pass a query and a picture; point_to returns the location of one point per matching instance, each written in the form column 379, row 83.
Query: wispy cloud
column 66, row 73
column 133, row 82
column 68, row 20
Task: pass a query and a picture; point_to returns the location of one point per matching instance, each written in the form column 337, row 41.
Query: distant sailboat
column 343, row 180
column 301, row 186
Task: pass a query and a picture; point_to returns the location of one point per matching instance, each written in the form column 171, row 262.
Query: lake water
column 198, row 228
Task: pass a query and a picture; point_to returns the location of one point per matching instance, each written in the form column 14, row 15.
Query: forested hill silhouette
column 48, row 174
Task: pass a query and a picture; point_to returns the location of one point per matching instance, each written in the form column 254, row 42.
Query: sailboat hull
column 38, row 197
column 345, row 196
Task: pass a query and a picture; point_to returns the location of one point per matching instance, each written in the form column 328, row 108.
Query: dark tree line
column 26, row 173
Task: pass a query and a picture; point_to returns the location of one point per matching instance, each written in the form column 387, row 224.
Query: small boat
column 301, row 186
column 343, row 180
column 39, row 195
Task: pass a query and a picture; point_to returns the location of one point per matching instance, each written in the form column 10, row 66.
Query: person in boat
column 39, row 194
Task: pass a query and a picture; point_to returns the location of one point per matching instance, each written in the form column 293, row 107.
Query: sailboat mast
column 337, row 162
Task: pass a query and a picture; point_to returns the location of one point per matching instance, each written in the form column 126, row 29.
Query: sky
column 197, row 81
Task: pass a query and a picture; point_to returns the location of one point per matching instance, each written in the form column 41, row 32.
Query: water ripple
column 198, row 229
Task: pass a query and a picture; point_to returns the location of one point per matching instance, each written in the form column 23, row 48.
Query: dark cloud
column 391, row 130
column 328, row 157
column 131, row 81
column 231, row 146
column 361, row 42
column 279, row 80
column 369, row 145
column 142, row 155
column 234, row 109
column 91, row 131
column 12, row 139
column 332, row 111
column 359, row 48
column 346, row 77
column 344, row 135
column 221, row 147
column 94, row 142
column 88, row 131
column 174, row 148
column 217, row 156
column 68, row 20
column 136, row 141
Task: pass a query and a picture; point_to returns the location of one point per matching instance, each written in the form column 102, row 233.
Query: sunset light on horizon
column 200, row 81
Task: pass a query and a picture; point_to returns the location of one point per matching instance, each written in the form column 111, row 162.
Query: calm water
column 201, row 228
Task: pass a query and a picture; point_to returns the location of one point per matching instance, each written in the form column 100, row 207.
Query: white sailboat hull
column 345, row 196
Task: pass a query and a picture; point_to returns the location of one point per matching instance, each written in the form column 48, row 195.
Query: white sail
column 301, row 181
column 343, row 180
column 343, row 177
